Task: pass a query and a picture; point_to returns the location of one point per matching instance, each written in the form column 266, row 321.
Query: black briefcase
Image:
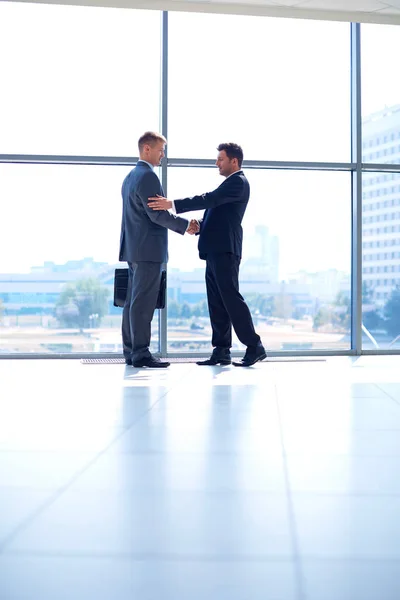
column 121, row 287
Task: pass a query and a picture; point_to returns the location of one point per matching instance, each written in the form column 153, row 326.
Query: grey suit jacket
column 144, row 235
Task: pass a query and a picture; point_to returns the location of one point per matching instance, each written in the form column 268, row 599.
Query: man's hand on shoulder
column 159, row 203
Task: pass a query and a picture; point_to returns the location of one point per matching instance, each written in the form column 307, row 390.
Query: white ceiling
column 367, row 11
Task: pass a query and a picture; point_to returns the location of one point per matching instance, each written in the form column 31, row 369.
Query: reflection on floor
column 278, row 482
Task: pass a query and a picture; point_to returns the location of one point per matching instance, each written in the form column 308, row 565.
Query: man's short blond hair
column 151, row 138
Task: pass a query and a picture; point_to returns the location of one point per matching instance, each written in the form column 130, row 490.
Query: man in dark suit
column 144, row 245
column 220, row 245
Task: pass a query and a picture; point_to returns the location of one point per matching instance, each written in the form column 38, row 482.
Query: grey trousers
column 141, row 299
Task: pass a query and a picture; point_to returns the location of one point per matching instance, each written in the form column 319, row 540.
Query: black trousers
column 141, row 299
column 226, row 306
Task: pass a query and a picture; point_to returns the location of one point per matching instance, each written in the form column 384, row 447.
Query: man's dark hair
column 232, row 151
column 151, row 138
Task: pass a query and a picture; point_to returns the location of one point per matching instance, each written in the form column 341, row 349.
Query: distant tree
column 367, row 293
column 196, row 310
column 266, row 305
column 173, row 309
column 176, row 310
column 186, row 311
column 342, row 311
column 204, row 308
column 298, row 313
column 372, row 320
column 81, row 302
column 321, row 318
column 260, row 304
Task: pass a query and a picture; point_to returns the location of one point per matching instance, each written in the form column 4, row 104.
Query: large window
column 279, row 87
column 381, row 189
column 296, row 265
column 380, row 94
column 75, row 80
column 59, row 248
column 188, row 320
column 295, row 271
column 85, row 82
column 381, row 260
column 59, row 213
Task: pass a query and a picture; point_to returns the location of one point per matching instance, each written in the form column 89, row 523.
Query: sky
column 86, row 81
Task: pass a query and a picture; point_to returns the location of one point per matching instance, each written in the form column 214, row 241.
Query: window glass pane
column 74, row 79
column 381, row 261
column 380, row 48
column 278, row 87
column 295, row 271
column 188, row 321
column 59, row 247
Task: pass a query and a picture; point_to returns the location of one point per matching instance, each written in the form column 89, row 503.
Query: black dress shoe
column 214, row 361
column 252, row 356
column 128, row 361
column 152, row 363
column 217, row 358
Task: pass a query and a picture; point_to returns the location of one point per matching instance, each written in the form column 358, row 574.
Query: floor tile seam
column 298, row 568
column 205, row 558
column 155, row 556
column 344, row 494
column 229, row 491
column 397, row 402
column 316, row 395
column 331, row 454
column 358, row 429
column 150, row 452
column 203, row 453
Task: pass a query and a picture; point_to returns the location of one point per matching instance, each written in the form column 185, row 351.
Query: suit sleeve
column 200, row 222
column 230, row 192
column 150, row 186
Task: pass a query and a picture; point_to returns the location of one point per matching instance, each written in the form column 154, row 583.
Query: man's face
column 225, row 165
column 155, row 153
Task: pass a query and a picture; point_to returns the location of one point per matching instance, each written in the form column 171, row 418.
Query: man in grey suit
column 144, row 245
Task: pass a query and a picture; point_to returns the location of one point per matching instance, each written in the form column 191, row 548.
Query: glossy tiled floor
column 279, row 482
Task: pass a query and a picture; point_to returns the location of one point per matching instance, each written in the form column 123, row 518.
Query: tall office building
column 261, row 255
column 381, row 204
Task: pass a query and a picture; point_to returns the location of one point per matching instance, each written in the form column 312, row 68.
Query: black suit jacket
column 221, row 227
column 144, row 235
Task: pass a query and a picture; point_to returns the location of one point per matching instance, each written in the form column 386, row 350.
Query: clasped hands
column 161, row 203
column 193, row 228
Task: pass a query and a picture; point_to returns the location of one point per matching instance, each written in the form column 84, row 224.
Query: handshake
column 194, row 227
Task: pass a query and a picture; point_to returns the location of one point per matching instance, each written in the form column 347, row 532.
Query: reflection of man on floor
column 144, row 245
column 220, row 245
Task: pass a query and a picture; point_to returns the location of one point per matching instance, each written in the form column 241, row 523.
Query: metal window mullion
column 385, row 167
column 54, row 159
column 265, row 164
column 162, row 322
column 356, row 190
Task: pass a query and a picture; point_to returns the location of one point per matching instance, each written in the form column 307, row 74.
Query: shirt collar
column 234, row 173
column 147, row 163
